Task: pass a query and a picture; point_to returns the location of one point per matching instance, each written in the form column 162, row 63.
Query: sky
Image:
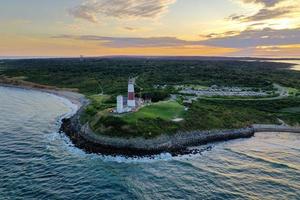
column 70, row 28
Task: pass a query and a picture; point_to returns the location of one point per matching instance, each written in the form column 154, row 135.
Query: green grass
column 148, row 122
column 97, row 104
column 291, row 110
column 166, row 110
column 292, row 91
column 99, row 99
column 286, row 109
column 217, row 114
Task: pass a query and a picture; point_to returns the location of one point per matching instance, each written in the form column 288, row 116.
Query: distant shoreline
column 149, row 57
column 76, row 98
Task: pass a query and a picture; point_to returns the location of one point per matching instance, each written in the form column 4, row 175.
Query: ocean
column 38, row 162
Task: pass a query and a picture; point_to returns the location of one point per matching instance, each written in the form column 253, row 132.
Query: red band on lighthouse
column 131, row 95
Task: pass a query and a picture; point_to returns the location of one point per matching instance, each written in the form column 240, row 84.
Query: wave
column 272, row 162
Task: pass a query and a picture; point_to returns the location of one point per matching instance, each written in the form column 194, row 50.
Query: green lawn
column 97, row 104
column 166, row 110
column 292, row 91
column 291, row 110
column 99, row 99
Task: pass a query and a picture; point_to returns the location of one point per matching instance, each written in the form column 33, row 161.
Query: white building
column 120, row 105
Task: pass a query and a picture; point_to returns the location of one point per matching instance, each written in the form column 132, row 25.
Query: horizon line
column 145, row 56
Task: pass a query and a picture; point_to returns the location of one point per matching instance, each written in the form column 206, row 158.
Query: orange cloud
column 23, row 46
column 90, row 10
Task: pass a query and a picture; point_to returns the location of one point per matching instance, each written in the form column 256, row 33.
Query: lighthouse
column 129, row 104
column 131, row 95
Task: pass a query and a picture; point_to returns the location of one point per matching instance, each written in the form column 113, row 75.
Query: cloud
column 264, row 2
column 125, row 42
column 272, row 9
column 218, row 35
column 244, row 39
column 253, row 38
column 268, row 51
column 235, row 17
column 84, row 11
column 265, row 14
column 90, row 9
column 128, row 28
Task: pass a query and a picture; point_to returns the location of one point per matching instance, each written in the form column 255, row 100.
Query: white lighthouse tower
column 131, row 95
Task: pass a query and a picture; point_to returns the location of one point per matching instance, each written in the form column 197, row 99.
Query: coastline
column 76, row 98
column 178, row 144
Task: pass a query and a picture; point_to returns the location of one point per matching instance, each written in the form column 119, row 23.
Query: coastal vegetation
column 92, row 76
column 202, row 115
column 101, row 80
column 97, row 103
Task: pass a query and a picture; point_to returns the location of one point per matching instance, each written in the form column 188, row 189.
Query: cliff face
column 83, row 137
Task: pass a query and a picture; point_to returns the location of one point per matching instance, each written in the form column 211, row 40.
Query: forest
column 93, row 75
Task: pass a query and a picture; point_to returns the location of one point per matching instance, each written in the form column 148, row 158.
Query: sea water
column 37, row 162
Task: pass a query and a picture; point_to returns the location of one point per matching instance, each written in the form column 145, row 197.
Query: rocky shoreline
column 178, row 144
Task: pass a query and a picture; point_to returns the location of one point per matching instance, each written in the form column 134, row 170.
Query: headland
column 163, row 110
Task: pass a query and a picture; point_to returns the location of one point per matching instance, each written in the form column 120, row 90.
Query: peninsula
column 169, row 105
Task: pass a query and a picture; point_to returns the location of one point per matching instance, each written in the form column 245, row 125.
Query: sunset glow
column 263, row 28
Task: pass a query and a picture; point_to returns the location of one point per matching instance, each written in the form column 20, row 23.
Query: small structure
column 129, row 103
column 81, row 58
column 120, row 105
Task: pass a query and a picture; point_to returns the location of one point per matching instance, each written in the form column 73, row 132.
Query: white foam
column 66, row 145
column 123, row 159
column 64, row 142
column 69, row 147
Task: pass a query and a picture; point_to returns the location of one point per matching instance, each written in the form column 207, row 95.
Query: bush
column 156, row 96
